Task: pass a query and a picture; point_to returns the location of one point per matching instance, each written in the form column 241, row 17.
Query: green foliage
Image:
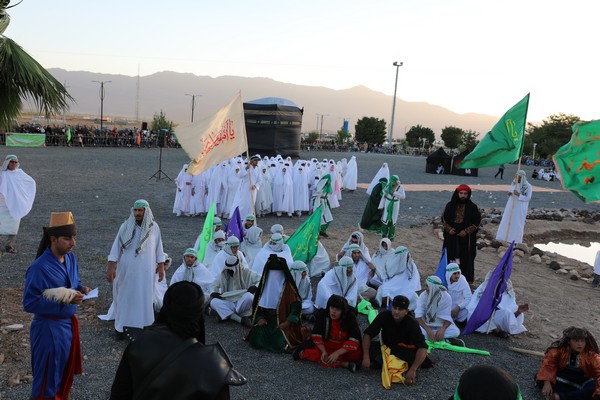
column 415, row 136
column 555, row 131
column 370, row 130
column 342, row 136
column 469, row 140
column 159, row 121
column 452, row 136
column 312, row 137
column 21, row 77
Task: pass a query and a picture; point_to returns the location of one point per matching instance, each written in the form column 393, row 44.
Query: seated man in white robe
column 233, row 292
column 380, row 257
column 252, row 243
column 399, row 276
column 363, row 272
column 508, row 317
column 278, row 228
column 231, row 248
column 299, row 272
column 339, row 280
column 274, row 246
column 217, row 226
column 433, row 312
column 460, row 292
column 355, row 238
column 213, row 248
column 192, row 271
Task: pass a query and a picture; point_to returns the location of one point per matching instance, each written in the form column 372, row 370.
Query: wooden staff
column 528, row 352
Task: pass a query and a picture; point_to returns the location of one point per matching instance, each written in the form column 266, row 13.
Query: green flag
column 501, row 145
column 442, row 345
column 578, row 161
column 305, row 240
column 207, row 233
column 68, row 135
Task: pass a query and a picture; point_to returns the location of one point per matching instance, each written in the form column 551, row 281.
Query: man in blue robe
column 52, row 292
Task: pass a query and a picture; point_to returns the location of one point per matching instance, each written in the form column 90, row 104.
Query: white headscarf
column 451, row 269
column 434, row 296
column 346, row 282
column 128, row 233
column 384, row 172
column 276, row 243
column 303, row 284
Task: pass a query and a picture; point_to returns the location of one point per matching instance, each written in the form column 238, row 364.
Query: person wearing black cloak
column 461, row 220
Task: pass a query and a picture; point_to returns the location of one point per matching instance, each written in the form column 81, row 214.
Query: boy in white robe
column 514, row 215
column 459, row 290
column 299, row 272
column 230, row 248
column 213, row 248
column 252, row 243
column 339, row 280
column 192, row 271
column 355, row 238
column 399, row 276
column 433, row 311
column 274, row 246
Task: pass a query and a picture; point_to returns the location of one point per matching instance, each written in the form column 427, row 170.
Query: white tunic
column 351, row 175
column 504, row 317
column 198, row 274
column 133, row 286
column 263, row 255
column 519, row 214
column 330, row 284
column 395, row 197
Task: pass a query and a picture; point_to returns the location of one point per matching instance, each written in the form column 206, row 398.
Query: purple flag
column 234, row 226
column 440, row 272
column 492, row 293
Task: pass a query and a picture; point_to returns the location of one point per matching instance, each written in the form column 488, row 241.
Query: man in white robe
column 274, row 246
column 433, row 311
column 460, row 292
column 351, row 175
column 508, row 317
column 17, row 192
column 251, row 179
column 135, row 257
column 179, row 183
column 515, row 213
column 192, row 271
column 299, row 272
column 252, row 243
column 233, row 292
column 399, row 276
column 379, row 259
column 390, row 204
column 230, row 248
column 213, row 248
column 358, row 239
column 339, row 280
column 363, row 271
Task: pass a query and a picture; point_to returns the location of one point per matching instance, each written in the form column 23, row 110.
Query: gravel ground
column 100, row 185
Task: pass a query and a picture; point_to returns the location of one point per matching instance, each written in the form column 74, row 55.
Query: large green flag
column 305, row 240
column 207, row 233
column 501, row 145
column 578, row 161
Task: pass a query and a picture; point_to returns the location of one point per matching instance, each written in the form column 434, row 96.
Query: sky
column 478, row 56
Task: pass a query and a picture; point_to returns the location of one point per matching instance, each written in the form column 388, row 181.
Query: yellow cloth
column 392, row 368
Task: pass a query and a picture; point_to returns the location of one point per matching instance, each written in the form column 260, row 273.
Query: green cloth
column 371, row 218
column 304, row 242
column 207, row 233
column 504, row 142
column 269, row 336
column 578, row 161
column 364, row 307
column 442, row 345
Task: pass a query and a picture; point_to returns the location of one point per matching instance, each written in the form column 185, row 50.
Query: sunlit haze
column 465, row 55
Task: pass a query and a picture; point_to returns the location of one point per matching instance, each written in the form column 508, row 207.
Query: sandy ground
column 99, row 186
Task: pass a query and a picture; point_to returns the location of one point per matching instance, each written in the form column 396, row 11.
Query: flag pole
column 250, row 177
column 512, row 208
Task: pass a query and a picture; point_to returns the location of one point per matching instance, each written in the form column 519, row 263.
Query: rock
column 554, row 265
column 574, row 275
column 496, row 244
column 588, row 220
column 586, row 275
column 518, row 253
column 554, row 336
column 441, row 235
column 523, row 247
column 13, row 327
column 536, row 259
column 545, row 257
column 516, row 260
column 562, row 271
column 27, row 378
column 501, row 253
column 14, row 380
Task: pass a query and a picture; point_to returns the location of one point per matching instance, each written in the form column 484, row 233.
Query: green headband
column 453, row 269
column 141, row 204
column 433, row 281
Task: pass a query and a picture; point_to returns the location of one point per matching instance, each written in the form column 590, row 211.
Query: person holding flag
column 513, row 218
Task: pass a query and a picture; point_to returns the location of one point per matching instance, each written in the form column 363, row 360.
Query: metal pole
column 193, row 96
column 321, row 131
column 391, row 134
column 101, row 105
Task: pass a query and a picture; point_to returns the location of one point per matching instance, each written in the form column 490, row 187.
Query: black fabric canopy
column 460, row 171
column 436, row 158
column 273, row 127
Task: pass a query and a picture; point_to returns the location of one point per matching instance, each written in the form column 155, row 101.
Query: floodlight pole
column 101, row 102
column 193, row 96
column 391, row 134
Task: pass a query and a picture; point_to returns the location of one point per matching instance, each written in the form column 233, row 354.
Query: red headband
column 463, row 187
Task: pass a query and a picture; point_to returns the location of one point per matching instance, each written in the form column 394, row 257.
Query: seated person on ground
column 355, row 238
column 339, row 280
column 460, row 292
column 299, row 272
column 335, row 338
column 433, row 313
column 486, row 382
column 399, row 276
column 191, row 270
column 571, row 367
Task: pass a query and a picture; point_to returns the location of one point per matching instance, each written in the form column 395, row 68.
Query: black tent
column 273, row 126
column 435, row 159
column 461, row 171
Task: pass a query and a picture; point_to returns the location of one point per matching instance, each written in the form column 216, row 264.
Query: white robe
column 519, row 214
column 264, row 196
column 133, row 286
column 443, row 314
column 504, row 317
column 258, row 265
column 351, row 175
column 17, row 193
column 320, row 263
column 283, row 192
column 218, row 263
column 252, row 243
column 300, row 184
column 197, row 273
column 329, row 285
column 245, row 198
column 395, row 197
column 460, row 292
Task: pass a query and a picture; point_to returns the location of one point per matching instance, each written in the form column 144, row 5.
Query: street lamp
column 101, row 101
column 321, row 129
column 193, row 96
column 391, row 134
column 533, row 156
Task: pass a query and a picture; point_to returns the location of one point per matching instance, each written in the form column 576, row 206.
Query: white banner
column 215, row 139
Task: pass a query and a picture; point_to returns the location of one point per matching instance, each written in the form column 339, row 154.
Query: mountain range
column 167, row 91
